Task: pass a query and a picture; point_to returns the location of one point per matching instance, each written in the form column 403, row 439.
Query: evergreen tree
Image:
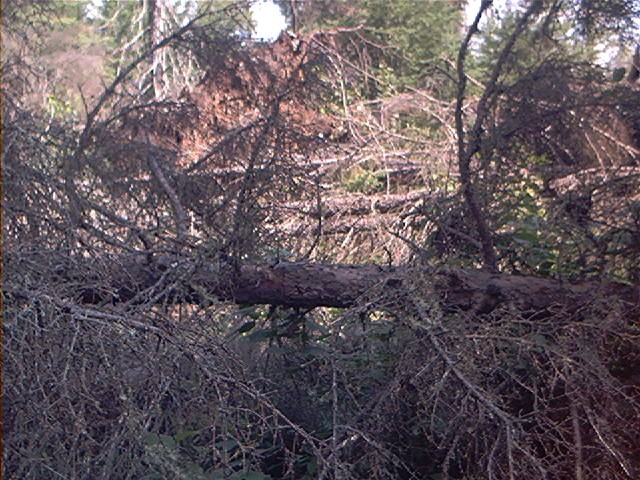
column 404, row 38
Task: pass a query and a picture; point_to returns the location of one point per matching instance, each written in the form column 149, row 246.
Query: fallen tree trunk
column 358, row 204
column 304, row 284
column 346, row 225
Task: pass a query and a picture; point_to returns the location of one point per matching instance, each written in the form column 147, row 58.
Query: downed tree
column 361, row 204
column 517, row 354
column 306, row 284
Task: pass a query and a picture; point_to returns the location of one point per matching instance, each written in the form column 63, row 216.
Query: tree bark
column 303, row 284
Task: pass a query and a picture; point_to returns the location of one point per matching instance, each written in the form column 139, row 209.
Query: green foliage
column 57, row 107
column 121, row 15
column 363, row 181
column 404, row 37
column 597, row 20
column 131, row 28
column 541, row 43
column 618, row 74
column 178, row 454
column 420, row 32
column 526, row 237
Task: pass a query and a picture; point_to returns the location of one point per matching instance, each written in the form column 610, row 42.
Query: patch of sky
column 269, row 20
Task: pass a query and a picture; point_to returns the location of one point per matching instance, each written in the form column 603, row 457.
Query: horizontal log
column 596, row 178
column 360, row 204
column 305, row 284
column 350, row 224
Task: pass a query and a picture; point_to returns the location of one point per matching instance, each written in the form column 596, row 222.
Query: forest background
column 392, row 243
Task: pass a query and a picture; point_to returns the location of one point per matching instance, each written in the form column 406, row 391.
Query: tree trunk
column 303, row 284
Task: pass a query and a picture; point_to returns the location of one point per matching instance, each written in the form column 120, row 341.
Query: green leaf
column 245, row 327
column 526, row 237
column 218, row 474
column 227, row 445
column 312, row 467
column 540, row 340
column 260, row 335
column 152, row 439
column 168, row 441
column 618, row 74
column 194, row 468
column 179, row 437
